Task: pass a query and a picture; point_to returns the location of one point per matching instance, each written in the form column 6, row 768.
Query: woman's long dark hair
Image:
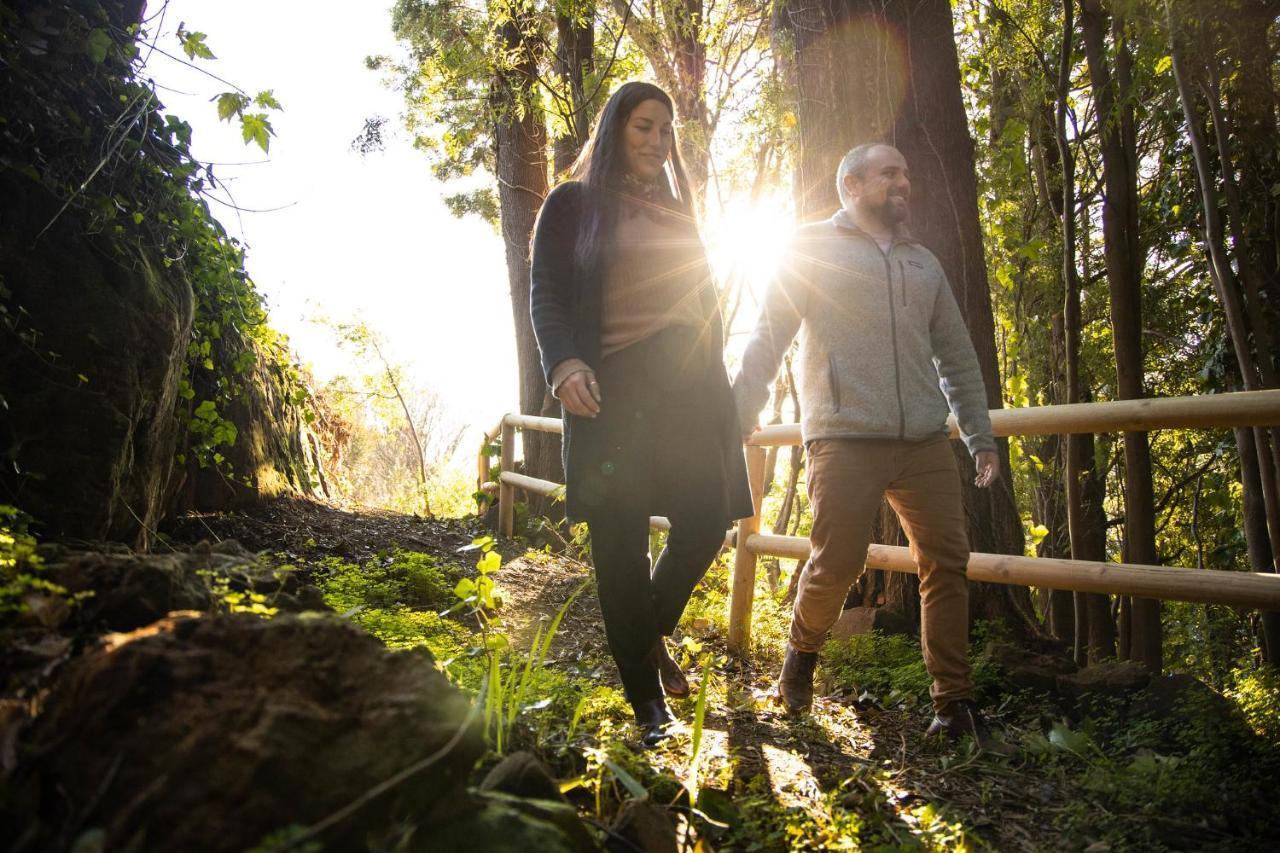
column 601, row 166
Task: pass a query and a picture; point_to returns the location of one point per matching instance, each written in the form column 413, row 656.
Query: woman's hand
column 579, row 393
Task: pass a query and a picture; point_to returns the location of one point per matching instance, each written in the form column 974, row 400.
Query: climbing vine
column 83, row 123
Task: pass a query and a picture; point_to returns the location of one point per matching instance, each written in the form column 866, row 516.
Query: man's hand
column 746, row 436
column 580, row 394
column 988, row 465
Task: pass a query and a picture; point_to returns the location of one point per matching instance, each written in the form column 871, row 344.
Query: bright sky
column 357, row 236
column 350, row 236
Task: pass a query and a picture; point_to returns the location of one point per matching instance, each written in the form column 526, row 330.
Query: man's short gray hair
column 853, row 164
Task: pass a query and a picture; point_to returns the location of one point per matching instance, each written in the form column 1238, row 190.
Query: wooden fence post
column 743, row 587
column 506, row 491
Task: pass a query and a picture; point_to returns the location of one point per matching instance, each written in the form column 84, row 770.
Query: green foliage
column 85, row 125
column 1256, row 692
column 1155, row 775
column 402, row 439
column 193, row 43
column 472, row 67
column 396, row 579
column 888, row 666
column 21, row 567
column 512, row 678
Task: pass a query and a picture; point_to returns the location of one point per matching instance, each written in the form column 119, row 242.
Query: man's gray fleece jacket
column 884, row 352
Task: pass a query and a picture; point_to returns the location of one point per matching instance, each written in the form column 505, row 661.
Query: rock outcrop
column 213, row 732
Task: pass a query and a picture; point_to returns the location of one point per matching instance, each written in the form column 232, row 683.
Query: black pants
column 640, row 605
column 659, row 450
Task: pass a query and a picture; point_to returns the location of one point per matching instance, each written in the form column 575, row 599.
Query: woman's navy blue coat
column 565, row 306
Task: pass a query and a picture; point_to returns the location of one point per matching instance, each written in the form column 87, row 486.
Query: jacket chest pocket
column 910, row 274
column 912, row 289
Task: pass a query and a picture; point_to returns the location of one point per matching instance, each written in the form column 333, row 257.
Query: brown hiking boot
column 959, row 718
column 795, row 683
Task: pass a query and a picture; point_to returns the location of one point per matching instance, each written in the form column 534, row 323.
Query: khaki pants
column 847, row 479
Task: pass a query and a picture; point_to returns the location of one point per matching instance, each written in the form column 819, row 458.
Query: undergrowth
column 1175, row 766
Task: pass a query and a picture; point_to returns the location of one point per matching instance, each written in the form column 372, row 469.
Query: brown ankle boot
column 672, row 677
column 959, row 718
column 795, row 683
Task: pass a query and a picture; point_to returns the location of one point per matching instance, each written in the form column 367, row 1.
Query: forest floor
column 1124, row 762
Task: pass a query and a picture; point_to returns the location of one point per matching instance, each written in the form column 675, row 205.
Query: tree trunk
column 575, row 64
column 1113, row 99
column 1224, row 282
column 888, row 72
column 1251, row 90
column 1256, row 538
column 520, row 135
column 676, row 52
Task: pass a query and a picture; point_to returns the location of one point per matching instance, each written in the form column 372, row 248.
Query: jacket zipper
column 902, row 281
column 834, row 382
column 893, row 336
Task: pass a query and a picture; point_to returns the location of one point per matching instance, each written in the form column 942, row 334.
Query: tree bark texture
column 888, row 72
column 1113, row 98
column 671, row 38
column 520, row 135
column 1256, row 538
column 1094, row 628
column 574, row 63
column 1190, row 38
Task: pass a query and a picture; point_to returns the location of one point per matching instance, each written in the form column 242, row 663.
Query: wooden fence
column 1205, row 586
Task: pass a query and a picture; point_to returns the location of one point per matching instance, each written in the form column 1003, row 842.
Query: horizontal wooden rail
column 1202, row 586
column 1207, row 586
column 546, row 487
column 1237, row 409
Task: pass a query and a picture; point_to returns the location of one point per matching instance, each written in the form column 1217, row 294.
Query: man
column 884, row 354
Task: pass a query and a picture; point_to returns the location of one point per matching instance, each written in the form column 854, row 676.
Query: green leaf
column 97, row 45
column 489, row 563
column 1063, row 737
column 628, row 781
column 254, row 127
column 193, row 44
column 231, row 104
column 465, row 588
column 483, row 543
column 206, row 411
column 1163, row 64
column 267, row 100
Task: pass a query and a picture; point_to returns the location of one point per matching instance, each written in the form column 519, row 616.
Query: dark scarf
column 644, row 195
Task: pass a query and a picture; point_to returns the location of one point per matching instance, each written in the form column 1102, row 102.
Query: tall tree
column 1200, row 46
column 888, row 71
column 520, row 143
column 486, row 90
column 710, row 57
column 573, row 95
column 1113, row 99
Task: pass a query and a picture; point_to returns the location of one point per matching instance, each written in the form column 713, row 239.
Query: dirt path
column 842, row 760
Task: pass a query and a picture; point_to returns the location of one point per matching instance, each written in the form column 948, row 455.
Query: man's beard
column 889, row 212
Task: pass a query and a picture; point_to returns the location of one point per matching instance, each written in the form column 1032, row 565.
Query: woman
column 629, row 329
